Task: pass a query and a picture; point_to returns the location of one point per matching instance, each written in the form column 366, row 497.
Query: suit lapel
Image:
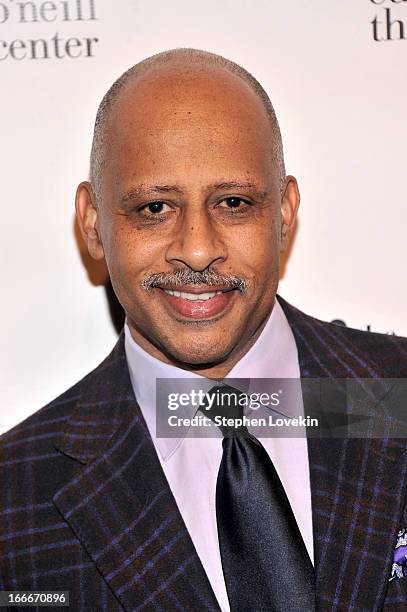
column 357, row 485
column 120, row 505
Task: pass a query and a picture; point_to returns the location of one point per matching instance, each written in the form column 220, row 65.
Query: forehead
column 206, row 116
column 200, row 94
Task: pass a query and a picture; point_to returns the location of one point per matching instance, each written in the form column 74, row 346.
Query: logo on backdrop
column 368, row 327
column 56, row 46
column 390, row 21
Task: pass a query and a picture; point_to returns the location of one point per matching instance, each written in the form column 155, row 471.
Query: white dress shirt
column 191, row 464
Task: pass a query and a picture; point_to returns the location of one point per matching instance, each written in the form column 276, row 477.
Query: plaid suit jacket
column 85, row 505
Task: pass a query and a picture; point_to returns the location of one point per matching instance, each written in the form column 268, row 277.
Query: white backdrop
column 340, row 97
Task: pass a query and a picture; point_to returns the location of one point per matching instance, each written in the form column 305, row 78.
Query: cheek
column 131, row 253
column 256, row 251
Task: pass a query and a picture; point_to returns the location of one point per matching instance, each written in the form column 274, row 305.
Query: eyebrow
column 229, row 185
column 143, row 189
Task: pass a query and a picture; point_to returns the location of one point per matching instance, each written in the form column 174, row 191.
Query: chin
column 198, row 354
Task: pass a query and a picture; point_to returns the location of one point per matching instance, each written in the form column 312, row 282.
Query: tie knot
column 225, row 406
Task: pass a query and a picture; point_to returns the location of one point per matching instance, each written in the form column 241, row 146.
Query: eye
column 156, row 208
column 233, row 203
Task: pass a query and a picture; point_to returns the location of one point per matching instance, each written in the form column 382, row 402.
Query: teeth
column 193, row 297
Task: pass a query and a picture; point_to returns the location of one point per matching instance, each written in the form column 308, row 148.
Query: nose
column 197, row 243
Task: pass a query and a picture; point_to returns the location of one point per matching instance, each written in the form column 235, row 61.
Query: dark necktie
column 265, row 562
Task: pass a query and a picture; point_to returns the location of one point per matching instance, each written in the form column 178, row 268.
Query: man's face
column 190, row 215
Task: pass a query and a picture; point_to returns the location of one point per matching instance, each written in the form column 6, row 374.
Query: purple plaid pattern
column 85, row 506
column 357, row 486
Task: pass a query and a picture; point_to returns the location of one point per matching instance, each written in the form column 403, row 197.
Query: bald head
column 178, row 65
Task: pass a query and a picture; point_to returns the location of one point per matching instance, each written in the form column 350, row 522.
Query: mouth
column 193, row 303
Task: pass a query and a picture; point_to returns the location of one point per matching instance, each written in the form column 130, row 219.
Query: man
column 189, row 203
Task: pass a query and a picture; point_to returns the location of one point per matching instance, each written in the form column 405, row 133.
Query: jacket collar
column 106, row 399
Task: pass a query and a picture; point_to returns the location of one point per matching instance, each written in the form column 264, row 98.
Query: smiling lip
column 195, row 303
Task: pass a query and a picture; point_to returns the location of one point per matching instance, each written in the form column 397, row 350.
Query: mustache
column 181, row 276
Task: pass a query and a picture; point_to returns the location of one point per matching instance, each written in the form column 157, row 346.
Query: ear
column 290, row 201
column 87, row 216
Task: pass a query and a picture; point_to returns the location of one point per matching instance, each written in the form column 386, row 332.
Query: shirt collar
column 273, row 355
